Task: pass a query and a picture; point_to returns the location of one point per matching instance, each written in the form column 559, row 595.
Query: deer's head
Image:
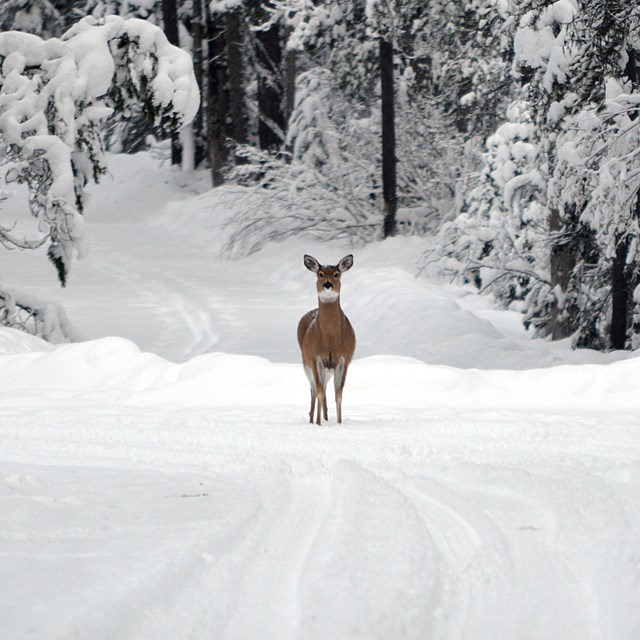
column 328, row 283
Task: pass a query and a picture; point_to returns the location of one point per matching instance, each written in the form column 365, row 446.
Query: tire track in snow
column 168, row 311
column 373, row 572
column 149, row 534
column 269, row 591
column 459, row 541
column 521, row 539
column 502, row 548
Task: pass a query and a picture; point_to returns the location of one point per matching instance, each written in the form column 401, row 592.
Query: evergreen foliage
column 576, row 62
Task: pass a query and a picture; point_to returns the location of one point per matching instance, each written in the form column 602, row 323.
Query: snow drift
column 115, row 369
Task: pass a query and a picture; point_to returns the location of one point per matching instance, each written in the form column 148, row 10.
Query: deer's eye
column 320, row 274
column 336, row 274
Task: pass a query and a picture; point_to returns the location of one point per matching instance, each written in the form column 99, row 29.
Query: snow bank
column 15, row 341
column 114, row 370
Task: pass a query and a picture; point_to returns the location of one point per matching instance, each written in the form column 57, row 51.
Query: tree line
column 552, row 226
column 507, row 129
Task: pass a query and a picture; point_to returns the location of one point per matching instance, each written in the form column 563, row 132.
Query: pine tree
column 583, row 112
column 576, row 63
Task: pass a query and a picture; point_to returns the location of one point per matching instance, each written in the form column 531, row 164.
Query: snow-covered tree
column 497, row 242
column 312, row 136
column 28, row 313
column 54, row 97
column 352, row 32
column 340, row 49
column 31, row 17
column 143, row 9
column 465, row 54
column 325, row 187
column 577, row 62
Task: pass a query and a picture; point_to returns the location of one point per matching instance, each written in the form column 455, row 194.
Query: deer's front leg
column 321, row 381
column 312, row 385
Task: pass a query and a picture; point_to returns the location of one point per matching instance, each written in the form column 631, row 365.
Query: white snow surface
column 160, row 479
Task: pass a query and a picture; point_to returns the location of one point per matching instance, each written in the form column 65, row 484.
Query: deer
column 326, row 338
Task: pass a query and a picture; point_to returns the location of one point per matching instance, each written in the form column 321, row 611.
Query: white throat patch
column 328, row 295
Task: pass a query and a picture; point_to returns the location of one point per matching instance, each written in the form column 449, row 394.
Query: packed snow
column 160, row 479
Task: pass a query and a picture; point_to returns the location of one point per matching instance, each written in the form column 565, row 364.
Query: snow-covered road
column 138, row 524
column 174, row 489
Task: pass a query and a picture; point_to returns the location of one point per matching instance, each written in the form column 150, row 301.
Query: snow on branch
column 292, row 198
column 54, row 96
column 28, row 313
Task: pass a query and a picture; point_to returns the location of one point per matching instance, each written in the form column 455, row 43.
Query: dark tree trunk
column 290, row 72
column 237, row 122
column 170, row 19
column 197, row 31
column 216, row 97
column 272, row 122
column 619, row 298
column 562, row 264
column 389, row 181
column 620, row 277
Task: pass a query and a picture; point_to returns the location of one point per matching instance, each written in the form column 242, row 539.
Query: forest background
column 503, row 131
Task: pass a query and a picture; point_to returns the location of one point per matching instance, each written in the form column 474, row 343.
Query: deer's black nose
column 328, row 285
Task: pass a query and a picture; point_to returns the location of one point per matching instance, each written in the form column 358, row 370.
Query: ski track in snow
column 183, row 314
column 143, row 504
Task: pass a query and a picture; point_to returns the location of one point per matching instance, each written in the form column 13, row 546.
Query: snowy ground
column 164, row 484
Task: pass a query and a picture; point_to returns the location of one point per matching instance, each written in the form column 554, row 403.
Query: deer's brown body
column 326, row 337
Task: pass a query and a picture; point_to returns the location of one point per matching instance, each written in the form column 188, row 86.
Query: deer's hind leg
column 340, row 377
column 327, row 376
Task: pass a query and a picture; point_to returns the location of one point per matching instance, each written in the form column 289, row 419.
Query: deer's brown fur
column 326, row 337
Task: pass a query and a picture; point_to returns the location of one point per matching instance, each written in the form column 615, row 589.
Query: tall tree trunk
column 620, row 275
column 197, row 31
column 170, row 19
column 290, row 74
column 562, row 264
column 619, row 297
column 235, row 36
column 389, row 181
column 216, row 97
column 272, row 122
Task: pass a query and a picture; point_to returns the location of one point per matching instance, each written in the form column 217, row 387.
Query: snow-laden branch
column 38, row 317
column 54, row 96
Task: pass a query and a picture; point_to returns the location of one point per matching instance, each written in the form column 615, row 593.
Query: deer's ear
column 311, row 263
column 346, row 263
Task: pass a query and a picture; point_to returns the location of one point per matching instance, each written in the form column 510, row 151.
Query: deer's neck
column 329, row 313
